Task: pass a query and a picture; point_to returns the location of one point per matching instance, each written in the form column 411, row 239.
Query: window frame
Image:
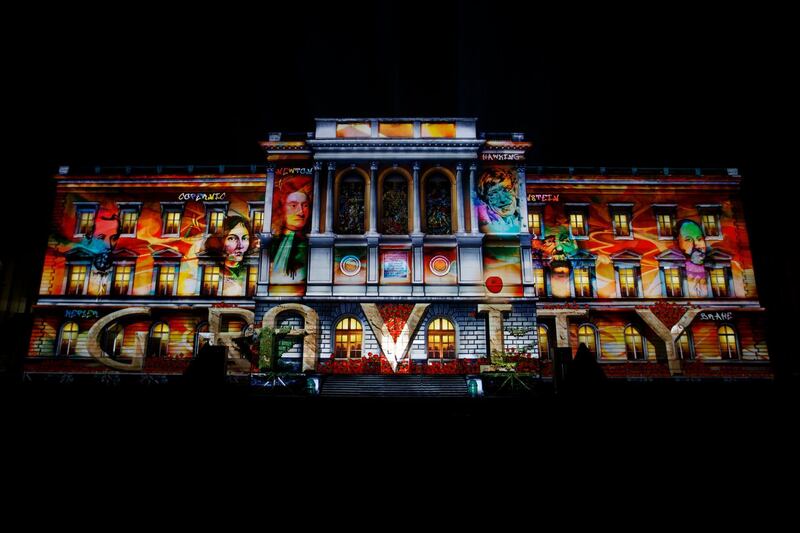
column 68, row 279
column 428, row 331
column 254, row 207
column 635, row 328
column 61, row 339
column 665, row 209
column 203, row 271
column 118, row 264
column 157, row 277
column 171, row 207
column 596, row 336
column 582, row 209
column 735, row 334
column 714, row 210
column 690, row 341
column 347, row 357
column 84, row 207
column 135, row 207
column 621, row 209
column 150, row 339
column 536, row 207
column 546, row 356
column 215, row 207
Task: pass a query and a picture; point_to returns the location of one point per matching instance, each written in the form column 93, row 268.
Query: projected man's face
column 296, row 211
column 692, row 242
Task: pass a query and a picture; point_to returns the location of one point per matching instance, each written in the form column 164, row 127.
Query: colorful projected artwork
column 291, row 217
column 502, row 271
column 438, row 130
column 395, row 129
column 228, row 245
column 692, row 242
column 351, row 206
column 497, row 201
column 395, row 266
column 441, row 266
column 438, row 205
column 350, row 265
column 350, row 130
column 395, row 206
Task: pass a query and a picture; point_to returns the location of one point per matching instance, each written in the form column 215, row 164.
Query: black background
column 674, row 88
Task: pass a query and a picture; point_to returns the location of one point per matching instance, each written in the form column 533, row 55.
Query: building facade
column 416, row 245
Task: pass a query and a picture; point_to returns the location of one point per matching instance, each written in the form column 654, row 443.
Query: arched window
column 544, row 342
column 201, row 337
column 438, row 205
column 634, row 344
column 351, row 204
column 112, row 340
column 684, row 347
column 68, row 339
column 728, row 344
column 588, row 336
column 394, row 205
column 159, row 340
column 441, row 339
column 348, row 337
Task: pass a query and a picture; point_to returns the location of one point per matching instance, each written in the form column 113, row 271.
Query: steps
column 347, row 386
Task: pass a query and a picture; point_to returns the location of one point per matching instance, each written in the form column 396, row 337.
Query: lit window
column 167, row 275
column 666, row 225
column 441, row 339
column 540, row 282
column 395, row 129
column 215, row 219
column 711, row 224
column 211, row 279
column 577, row 224
column 683, row 347
column 68, row 340
column 252, row 279
column 728, row 346
column 77, row 279
column 122, row 280
column 634, row 344
column 587, row 335
column 172, row 222
column 128, row 219
column 621, row 221
column 85, row 221
column 544, row 342
column 583, row 282
column 438, row 129
column 673, row 285
column 353, row 129
column 535, row 221
column 628, row 285
column 348, row 337
column 719, row 282
column 159, row 340
column 257, row 216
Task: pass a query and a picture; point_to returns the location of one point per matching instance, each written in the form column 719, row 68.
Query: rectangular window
column 211, row 279
column 85, row 221
column 128, row 219
column 172, row 222
column 535, row 221
column 666, row 225
column 216, row 217
column 257, row 219
column 577, row 224
column 628, row 286
column 711, row 224
column 719, row 282
column 122, row 280
column 673, row 284
column 167, row 274
column 438, row 129
column 77, row 279
column 540, row 282
column 583, row 282
column 252, row 279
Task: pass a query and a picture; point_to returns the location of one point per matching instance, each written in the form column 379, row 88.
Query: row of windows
column 441, row 340
column 172, row 216
column 621, row 221
column 673, row 281
column 348, row 339
column 636, row 347
column 165, row 279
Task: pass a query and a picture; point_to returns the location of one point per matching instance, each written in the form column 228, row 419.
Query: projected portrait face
column 290, row 223
column 296, row 211
column 692, row 241
column 498, row 206
column 237, row 242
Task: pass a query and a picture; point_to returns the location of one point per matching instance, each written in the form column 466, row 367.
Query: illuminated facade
column 415, row 245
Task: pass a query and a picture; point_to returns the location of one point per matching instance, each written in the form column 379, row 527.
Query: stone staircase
column 347, row 386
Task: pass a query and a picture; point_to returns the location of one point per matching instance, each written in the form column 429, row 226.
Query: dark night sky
column 673, row 88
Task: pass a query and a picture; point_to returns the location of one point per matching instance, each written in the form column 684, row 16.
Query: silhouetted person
column 207, row 370
column 584, row 374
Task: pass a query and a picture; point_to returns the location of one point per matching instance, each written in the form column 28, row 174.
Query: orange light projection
column 396, row 129
column 438, row 129
column 349, row 130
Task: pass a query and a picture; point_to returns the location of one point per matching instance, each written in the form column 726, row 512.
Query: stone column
column 473, row 210
column 417, row 228
column 315, row 214
column 495, row 333
column 460, row 198
column 329, row 200
column 268, row 199
column 262, row 286
column 373, row 198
